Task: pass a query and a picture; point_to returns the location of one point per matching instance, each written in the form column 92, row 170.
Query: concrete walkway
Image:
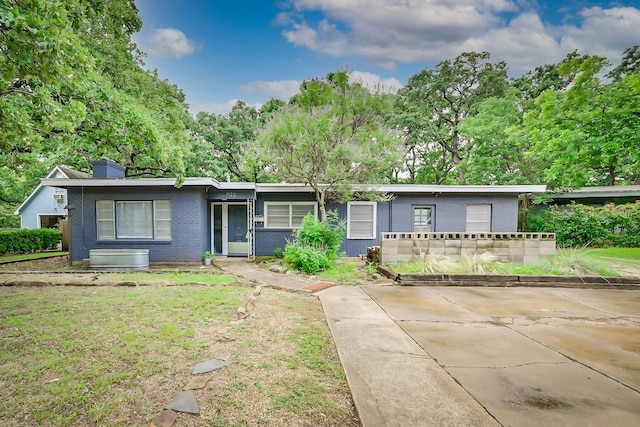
column 420, row 356
column 287, row 282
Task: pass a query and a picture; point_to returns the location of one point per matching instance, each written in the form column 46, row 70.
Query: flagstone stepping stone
column 185, row 401
column 165, row 419
column 197, row 382
column 208, row 366
column 222, row 356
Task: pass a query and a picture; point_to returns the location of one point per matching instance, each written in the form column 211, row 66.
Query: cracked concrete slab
column 393, row 382
column 525, row 357
column 485, row 345
column 611, row 349
column 551, row 395
column 423, row 303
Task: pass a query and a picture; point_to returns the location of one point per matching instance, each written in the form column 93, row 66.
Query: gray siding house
column 45, row 206
column 109, row 211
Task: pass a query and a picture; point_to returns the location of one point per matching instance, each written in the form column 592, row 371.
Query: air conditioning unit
column 58, row 197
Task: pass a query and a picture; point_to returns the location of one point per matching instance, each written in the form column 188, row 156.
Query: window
column 133, row 219
column 478, row 218
column 287, row 214
column 361, row 220
column 422, row 218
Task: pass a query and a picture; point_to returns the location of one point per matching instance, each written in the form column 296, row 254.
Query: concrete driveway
column 481, row 356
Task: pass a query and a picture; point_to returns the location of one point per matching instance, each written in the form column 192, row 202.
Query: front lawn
column 102, row 355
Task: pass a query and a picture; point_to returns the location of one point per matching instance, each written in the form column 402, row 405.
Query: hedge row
column 578, row 225
column 25, row 240
column 9, row 221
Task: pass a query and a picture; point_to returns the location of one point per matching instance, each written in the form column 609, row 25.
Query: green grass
column 26, row 257
column 347, row 271
column 207, row 277
column 72, row 356
column 627, row 254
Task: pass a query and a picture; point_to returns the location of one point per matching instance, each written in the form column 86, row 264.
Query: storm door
column 229, row 229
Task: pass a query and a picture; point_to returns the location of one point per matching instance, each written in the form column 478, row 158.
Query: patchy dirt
column 266, row 381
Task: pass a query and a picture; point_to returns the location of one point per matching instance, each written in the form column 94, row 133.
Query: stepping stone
column 198, row 382
column 222, row 356
column 165, row 419
column 208, row 366
column 185, row 401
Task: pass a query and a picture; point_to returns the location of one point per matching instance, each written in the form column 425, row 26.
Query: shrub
column 278, row 253
column 579, row 225
column 315, row 245
column 25, row 240
column 9, row 221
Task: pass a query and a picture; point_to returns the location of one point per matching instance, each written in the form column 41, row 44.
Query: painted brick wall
column 190, row 222
column 449, row 213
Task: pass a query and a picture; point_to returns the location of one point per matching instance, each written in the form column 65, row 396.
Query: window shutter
column 362, row 220
column 478, row 218
column 105, row 220
column 162, row 219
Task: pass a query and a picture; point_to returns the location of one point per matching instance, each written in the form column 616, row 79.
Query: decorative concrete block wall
column 526, row 248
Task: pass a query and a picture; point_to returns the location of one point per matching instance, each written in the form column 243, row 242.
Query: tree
column 222, row 142
column 630, row 64
column 501, row 153
column 72, row 90
column 437, row 101
column 330, row 135
column 587, row 133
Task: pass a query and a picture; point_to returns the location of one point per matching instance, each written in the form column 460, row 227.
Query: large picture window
column 287, row 214
column 361, row 220
column 144, row 219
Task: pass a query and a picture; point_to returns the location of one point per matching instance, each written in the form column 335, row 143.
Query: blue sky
column 219, row 51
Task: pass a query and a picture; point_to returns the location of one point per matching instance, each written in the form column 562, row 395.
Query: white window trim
column 114, row 221
column 374, row 219
column 290, row 204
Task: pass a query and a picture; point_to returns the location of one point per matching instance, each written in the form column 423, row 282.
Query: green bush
column 25, row 240
column 578, row 225
column 9, row 221
column 315, row 245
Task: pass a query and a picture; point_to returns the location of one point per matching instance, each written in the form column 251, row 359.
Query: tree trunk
column 320, row 196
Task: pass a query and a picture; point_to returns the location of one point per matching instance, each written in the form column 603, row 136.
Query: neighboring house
column 45, row 206
column 598, row 196
column 109, row 211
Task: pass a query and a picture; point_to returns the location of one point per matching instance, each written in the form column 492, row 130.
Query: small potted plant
column 206, row 257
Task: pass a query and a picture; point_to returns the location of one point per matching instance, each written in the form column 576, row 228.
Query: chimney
column 107, row 169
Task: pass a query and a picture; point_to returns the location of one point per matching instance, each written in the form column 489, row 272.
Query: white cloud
column 604, row 32
column 387, row 32
column 171, row 43
column 283, row 89
column 374, row 82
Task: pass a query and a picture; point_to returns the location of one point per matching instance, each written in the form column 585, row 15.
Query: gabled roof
column 57, row 173
column 73, row 174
